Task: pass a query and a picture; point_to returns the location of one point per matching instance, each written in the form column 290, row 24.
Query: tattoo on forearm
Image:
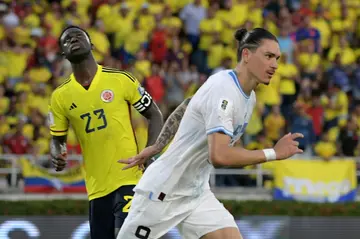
column 57, row 145
column 171, row 126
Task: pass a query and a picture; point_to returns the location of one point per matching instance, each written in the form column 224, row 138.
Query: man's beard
column 77, row 58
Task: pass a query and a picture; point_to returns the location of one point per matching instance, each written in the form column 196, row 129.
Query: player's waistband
column 157, row 196
column 161, row 196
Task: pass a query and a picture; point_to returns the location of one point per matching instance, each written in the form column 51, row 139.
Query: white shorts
column 194, row 217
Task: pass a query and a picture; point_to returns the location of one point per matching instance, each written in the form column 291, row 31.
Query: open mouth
column 75, row 46
column 270, row 73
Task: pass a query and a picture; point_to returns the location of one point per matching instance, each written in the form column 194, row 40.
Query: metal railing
column 15, row 168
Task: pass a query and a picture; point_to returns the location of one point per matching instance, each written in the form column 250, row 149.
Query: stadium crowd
column 171, row 46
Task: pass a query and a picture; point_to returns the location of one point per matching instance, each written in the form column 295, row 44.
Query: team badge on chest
column 107, row 96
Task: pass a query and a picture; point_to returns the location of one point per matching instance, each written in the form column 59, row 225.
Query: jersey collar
column 233, row 75
column 94, row 82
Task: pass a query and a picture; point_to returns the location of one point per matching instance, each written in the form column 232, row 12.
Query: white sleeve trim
column 219, row 129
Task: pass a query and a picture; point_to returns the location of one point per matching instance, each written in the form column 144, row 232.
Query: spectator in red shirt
column 17, row 143
column 158, row 46
column 316, row 112
column 155, row 85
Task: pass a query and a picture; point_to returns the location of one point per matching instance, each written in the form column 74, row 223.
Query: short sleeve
column 57, row 120
column 218, row 112
column 135, row 94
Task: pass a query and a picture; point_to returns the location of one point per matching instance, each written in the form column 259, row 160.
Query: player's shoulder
column 222, row 81
column 122, row 75
column 62, row 87
column 221, row 74
column 217, row 84
column 225, row 77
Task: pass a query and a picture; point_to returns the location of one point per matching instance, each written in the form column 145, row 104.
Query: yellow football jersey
column 100, row 117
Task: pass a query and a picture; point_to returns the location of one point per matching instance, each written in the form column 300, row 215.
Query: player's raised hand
column 139, row 159
column 287, row 146
column 59, row 161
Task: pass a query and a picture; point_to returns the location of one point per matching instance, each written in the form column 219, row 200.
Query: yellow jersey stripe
column 120, row 72
column 110, row 68
column 64, row 83
column 130, row 76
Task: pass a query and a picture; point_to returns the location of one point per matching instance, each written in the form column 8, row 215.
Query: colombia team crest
column 107, row 96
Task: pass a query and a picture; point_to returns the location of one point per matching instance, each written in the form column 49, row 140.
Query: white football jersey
column 220, row 105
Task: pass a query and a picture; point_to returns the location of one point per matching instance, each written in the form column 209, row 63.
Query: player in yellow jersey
column 96, row 102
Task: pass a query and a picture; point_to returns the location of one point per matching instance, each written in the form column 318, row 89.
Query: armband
column 144, row 103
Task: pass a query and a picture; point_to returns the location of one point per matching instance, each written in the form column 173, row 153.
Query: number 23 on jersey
column 95, row 120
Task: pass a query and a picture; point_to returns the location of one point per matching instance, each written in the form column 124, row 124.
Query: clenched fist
column 59, row 161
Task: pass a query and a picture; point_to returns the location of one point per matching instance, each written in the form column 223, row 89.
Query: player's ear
column 246, row 55
column 61, row 51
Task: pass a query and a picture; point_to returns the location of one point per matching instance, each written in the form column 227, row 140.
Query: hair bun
column 240, row 34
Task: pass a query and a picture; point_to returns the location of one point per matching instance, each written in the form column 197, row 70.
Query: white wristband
column 270, row 154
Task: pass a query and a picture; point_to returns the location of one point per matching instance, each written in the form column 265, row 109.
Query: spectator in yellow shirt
column 209, row 27
column 241, row 11
column 260, row 142
column 325, row 148
column 347, row 54
column 16, row 61
column 4, row 126
column 172, row 23
column 108, row 13
column 309, row 60
column 216, row 53
column 255, row 125
column 288, row 74
column 322, row 24
column 53, row 19
column 274, row 124
column 136, row 40
column 142, row 65
column 123, row 24
column 4, row 101
column 100, row 41
column 146, row 20
column 336, row 107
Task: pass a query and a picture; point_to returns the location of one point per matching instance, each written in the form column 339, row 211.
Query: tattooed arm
column 167, row 133
column 171, row 126
column 58, row 152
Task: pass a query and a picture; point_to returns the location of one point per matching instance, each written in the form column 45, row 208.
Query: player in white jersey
column 174, row 190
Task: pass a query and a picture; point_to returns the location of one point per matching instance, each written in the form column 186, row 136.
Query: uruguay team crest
column 107, row 96
column 224, row 104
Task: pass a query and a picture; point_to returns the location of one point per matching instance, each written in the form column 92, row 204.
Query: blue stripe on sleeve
column 219, row 129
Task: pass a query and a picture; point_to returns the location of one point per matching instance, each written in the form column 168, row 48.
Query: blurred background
column 172, row 46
